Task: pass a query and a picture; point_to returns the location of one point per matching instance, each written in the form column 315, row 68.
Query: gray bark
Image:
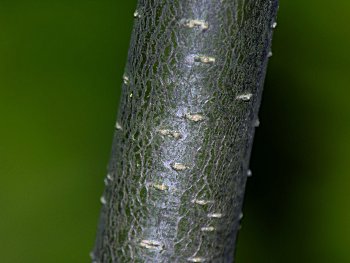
column 191, row 93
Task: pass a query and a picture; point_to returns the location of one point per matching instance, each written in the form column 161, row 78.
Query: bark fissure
column 190, row 98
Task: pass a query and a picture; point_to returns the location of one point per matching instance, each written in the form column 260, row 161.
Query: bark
column 191, row 93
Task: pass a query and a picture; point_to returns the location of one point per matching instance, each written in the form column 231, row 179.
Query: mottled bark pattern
column 191, row 93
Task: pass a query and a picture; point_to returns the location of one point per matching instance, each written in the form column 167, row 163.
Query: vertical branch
column 191, row 93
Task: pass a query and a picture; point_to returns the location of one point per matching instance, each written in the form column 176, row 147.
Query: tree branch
column 191, row 92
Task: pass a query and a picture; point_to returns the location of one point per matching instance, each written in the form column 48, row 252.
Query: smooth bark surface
column 191, row 92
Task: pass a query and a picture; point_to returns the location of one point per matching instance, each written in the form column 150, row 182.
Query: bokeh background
column 61, row 64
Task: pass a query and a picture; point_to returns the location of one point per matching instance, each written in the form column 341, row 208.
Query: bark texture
column 191, row 92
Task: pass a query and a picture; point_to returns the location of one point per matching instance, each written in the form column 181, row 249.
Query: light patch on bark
column 257, row 123
column 208, row 229
column 173, row 134
column 108, row 179
column 191, row 23
column 204, row 59
column 151, row 244
column 202, row 202
column 196, row 259
column 249, row 173
column 137, row 14
column 215, row 215
column 126, row 79
column 103, row 200
column 245, row 97
column 195, row 117
column 118, row 126
column 178, row 166
column 160, row 187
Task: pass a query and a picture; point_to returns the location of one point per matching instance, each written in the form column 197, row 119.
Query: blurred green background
column 61, row 63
